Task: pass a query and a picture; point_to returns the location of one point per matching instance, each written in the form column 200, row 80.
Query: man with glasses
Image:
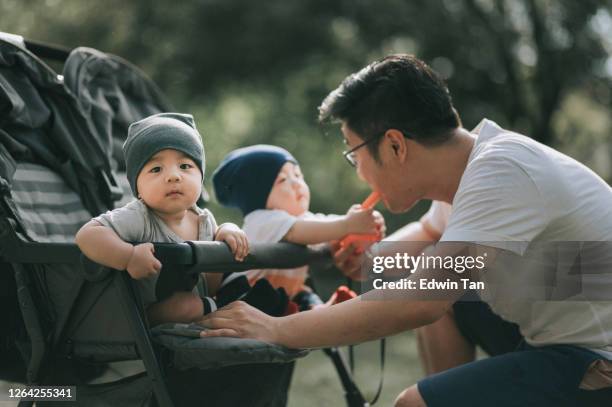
column 511, row 196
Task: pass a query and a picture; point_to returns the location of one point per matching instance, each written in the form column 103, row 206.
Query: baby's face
column 169, row 183
column 289, row 191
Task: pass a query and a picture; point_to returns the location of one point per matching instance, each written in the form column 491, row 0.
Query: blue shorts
column 516, row 374
column 542, row 377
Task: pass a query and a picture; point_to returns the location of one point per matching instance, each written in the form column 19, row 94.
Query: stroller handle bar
column 204, row 256
column 213, row 256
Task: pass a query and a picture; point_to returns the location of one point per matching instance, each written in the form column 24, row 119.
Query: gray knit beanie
column 162, row 131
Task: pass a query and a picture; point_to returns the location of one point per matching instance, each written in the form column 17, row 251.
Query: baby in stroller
column 265, row 182
column 165, row 168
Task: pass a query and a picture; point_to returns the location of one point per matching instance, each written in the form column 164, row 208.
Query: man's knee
column 447, row 318
column 410, row 398
column 442, row 345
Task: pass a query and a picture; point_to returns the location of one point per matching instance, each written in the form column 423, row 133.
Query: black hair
column 397, row 92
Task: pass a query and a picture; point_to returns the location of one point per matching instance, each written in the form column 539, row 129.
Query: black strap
column 383, row 343
column 351, row 348
column 351, row 353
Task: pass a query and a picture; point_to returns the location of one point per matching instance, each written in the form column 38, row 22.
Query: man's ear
column 397, row 141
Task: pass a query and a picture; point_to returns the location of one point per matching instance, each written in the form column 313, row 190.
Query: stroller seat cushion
column 191, row 351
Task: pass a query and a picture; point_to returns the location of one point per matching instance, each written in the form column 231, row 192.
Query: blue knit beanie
column 245, row 177
column 161, row 131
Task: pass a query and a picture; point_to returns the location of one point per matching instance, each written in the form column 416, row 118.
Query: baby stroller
column 67, row 317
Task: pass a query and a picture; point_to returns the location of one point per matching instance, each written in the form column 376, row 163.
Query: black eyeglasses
column 350, row 154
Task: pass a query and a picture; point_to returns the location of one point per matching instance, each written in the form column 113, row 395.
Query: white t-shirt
column 270, row 226
column 516, row 194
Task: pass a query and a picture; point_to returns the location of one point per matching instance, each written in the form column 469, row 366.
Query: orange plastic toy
column 368, row 203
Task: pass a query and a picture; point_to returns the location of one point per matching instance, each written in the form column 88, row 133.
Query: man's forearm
column 355, row 321
column 377, row 313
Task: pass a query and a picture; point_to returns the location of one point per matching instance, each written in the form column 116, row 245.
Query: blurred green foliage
column 255, row 72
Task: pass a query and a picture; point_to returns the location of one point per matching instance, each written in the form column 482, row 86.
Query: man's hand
column 239, row 319
column 347, row 260
column 235, row 238
column 142, row 263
